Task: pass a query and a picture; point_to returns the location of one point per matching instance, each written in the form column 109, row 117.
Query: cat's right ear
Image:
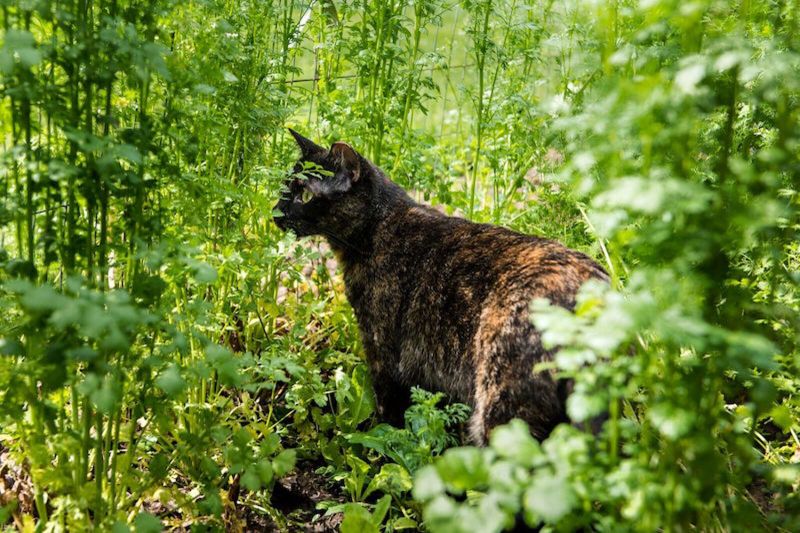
column 308, row 148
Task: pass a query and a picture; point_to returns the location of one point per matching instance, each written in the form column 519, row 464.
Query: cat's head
column 327, row 191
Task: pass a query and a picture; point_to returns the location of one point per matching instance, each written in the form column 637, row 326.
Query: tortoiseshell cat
column 441, row 302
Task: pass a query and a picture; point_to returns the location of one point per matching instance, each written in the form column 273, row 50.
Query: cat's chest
column 376, row 291
column 371, row 288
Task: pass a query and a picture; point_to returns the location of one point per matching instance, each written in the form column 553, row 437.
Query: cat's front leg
column 392, row 398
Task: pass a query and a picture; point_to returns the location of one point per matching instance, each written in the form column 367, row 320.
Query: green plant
column 686, row 190
column 166, row 356
column 426, row 433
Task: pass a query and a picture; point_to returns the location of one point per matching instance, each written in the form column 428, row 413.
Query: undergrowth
column 169, row 359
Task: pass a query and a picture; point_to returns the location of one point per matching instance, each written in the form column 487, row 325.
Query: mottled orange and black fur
column 441, row 302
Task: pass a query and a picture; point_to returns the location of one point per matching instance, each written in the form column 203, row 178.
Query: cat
column 442, row 303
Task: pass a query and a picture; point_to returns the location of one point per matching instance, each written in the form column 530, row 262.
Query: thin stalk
column 87, row 29
column 103, row 186
column 25, row 105
column 139, row 192
column 412, row 59
column 85, row 440
column 495, row 75
column 99, row 466
column 114, row 450
column 481, row 50
column 73, row 72
column 360, row 80
column 410, row 80
column 449, row 82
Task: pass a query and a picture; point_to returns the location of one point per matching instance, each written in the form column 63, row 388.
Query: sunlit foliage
column 167, row 355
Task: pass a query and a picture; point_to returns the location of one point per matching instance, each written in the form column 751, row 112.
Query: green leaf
column 463, row 469
column 69, row 314
column 7, row 510
column 107, row 396
column 787, row 474
column 22, row 44
column 284, row 462
column 10, row 347
column 549, row 498
column 205, row 273
column 514, row 441
column 381, row 509
column 29, row 57
column 147, row 523
column 159, row 466
column 42, row 298
column 128, row 152
column 211, row 503
column 118, row 527
column 404, row 522
column 264, row 469
column 442, row 515
column 671, row 421
column 581, row 407
column 203, row 88
column 357, row 520
column 171, row 381
column 270, row 443
column 392, row 479
column 427, row 484
column 782, row 416
column 250, row 479
column 225, row 363
column 6, row 61
column 687, row 79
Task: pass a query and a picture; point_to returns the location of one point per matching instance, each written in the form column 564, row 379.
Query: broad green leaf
column 357, row 520
column 427, row 484
column 146, row 523
column 549, row 498
column 514, row 441
column 463, row 469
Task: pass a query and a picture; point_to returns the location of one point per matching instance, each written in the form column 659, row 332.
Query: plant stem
column 481, row 51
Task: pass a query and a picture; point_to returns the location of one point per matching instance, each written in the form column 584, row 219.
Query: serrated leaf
column 284, row 462
column 250, row 479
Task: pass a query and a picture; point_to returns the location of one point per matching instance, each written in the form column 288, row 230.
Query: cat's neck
column 387, row 200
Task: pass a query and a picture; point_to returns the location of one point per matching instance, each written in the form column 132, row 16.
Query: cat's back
column 428, row 244
column 438, row 288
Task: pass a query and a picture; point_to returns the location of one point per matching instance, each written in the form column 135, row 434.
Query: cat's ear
column 346, row 160
column 308, row 148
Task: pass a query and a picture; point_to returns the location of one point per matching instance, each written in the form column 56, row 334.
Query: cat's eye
column 306, row 196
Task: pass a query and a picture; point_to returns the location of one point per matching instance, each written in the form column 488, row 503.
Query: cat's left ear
column 347, row 162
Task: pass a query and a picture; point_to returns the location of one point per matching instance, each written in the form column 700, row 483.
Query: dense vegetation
column 170, row 359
